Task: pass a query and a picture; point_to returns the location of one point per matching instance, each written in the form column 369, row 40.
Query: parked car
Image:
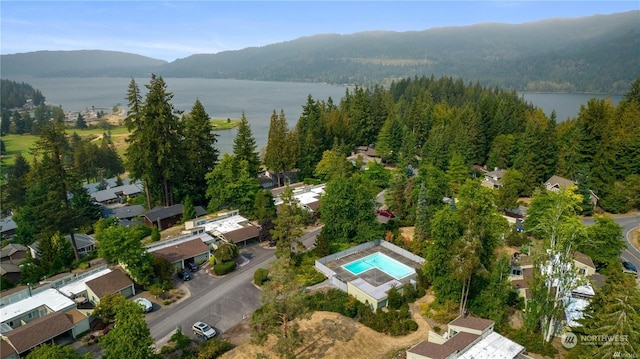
column 146, row 305
column 184, row 274
column 193, row 266
column 385, row 213
column 203, row 330
column 629, row 266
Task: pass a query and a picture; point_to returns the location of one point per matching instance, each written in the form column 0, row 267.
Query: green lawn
column 15, row 144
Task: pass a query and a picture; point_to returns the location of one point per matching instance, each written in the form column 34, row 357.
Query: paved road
column 221, row 302
column 628, row 223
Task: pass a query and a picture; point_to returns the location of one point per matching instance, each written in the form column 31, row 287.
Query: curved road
column 628, row 223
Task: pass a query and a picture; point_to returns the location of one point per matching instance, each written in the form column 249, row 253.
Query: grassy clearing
column 23, row 143
column 224, row 124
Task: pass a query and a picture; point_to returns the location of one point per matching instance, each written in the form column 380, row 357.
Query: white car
column 144, row 303
column 203, row 330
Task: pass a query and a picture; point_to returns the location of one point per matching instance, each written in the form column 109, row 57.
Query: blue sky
column 169, row 30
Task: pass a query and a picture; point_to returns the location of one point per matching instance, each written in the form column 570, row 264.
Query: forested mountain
column 14, row 94
column 590, row 54
column 597, row 53
column 84, row 63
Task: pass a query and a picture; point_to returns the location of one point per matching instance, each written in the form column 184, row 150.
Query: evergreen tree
column 80, row 122
column 457, row 173
column 288, row 227
column 244, row 146
column 281, row 150
column 155, row 149
column 230, row 185
column 15, row 191
column 510, row 189
column 311, row 137
column 389, row 144
column 188, row 209
column 201, row 154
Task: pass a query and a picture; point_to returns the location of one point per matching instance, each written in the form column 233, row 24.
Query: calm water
column 229, row 98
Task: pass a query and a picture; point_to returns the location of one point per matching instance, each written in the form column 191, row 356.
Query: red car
column 385, row 213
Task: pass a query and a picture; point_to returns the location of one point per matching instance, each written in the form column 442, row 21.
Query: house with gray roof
column 165, row 217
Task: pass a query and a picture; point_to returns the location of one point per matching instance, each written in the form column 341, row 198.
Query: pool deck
column 374, row 276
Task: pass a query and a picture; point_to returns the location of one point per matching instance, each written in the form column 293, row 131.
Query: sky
column 169, row 30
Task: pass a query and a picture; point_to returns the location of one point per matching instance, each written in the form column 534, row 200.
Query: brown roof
column 598, row 280
column 109, row 283
column 6, row 350
column 313, row 205
column 38, row 331
column 472, row 322
column 461, row 340
column 441, row 351
column 182, row 251
column 242, row 234
column 431, row 350
column 75, row 316
column 584, row 259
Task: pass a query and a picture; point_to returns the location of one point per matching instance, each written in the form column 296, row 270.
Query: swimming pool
column 382, row 262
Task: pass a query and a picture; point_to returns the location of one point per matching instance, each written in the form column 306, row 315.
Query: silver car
column 203, row 330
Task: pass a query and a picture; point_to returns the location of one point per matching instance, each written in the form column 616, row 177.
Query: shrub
column 224, row 268
column 182, row 341
column 516, row 239
column 260, row 276
column 213, row 348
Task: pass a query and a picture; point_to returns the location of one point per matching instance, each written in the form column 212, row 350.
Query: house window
column 582, row 271
column 516, row 272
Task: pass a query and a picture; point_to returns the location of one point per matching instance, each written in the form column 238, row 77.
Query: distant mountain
column 590, row 54
column 83, row 63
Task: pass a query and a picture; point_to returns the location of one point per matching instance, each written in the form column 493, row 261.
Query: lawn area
column 15, row 144
column 220, row 124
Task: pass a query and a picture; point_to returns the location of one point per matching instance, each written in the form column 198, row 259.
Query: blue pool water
column 382, row 262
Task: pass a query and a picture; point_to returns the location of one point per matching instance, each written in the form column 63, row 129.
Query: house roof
column 74, row 288
column 440, row 351
column 182, row 251
column 472, row 322
column 111, row 282
column 558, row 182
column 127, row 212
column 7, row 224
column 242, row 234
column 6, row 350
column 598, row 280
column 497, row 173
column 39, row 331
column 493, row 346
column 7, row 267
column 82, row 240
column 431, row 350
column 584, row 259
column 11, row 249
column 50, row 298
column 160, row 213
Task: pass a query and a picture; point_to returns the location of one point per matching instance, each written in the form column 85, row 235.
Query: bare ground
column 331, row 335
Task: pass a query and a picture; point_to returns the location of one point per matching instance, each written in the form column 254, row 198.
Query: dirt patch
column 634, row 237
column 331, row 335
column 407, row 232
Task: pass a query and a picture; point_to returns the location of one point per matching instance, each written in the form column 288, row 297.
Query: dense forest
column 594, row 54
column 16, row 95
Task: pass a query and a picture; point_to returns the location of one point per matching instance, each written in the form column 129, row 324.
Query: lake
column 229, row 98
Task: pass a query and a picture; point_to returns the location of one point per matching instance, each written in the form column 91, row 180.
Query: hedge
column 224, row 268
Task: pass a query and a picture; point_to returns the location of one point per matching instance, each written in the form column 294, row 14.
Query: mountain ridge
column 588, row 54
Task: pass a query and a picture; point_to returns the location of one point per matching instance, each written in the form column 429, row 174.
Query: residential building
column 165, row 217
column 493, row 179
column 557, row 183
column 467, row 337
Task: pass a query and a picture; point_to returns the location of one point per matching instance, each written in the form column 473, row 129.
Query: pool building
column 369, row 270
